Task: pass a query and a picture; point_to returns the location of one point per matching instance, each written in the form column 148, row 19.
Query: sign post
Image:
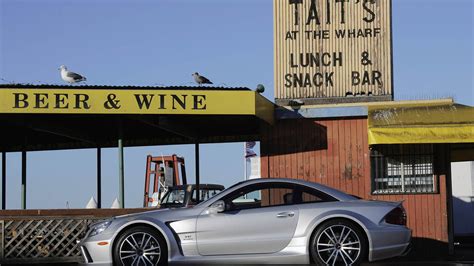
column 121, row 173
column 4, row 180
column 23, row 180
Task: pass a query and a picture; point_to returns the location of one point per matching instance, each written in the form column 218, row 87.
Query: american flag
column 248, row 149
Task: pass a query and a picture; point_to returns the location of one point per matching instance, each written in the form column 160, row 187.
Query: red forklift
column 170, row 187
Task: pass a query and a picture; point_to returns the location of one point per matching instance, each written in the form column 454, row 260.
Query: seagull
column 260, row 88
column 70, row 77
column 201, row 79
column 295, row 102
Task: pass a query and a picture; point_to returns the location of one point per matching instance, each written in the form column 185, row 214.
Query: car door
column 256, row 220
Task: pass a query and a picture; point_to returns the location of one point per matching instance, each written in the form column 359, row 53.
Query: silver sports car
column 257, row 221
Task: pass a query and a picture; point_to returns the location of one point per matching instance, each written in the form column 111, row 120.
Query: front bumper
column 95, row 254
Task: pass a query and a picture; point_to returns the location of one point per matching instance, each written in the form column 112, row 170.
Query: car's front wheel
column 338, row 242
column 140, row 245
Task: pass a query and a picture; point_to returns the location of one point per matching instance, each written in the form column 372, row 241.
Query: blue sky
column 161, row 42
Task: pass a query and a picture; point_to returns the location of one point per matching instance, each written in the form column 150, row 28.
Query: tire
column 338, row 242
column 140, row 245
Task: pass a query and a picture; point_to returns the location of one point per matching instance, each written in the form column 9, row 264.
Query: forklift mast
column 166, row 172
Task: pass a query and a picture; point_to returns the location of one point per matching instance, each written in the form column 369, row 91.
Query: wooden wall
column 335, row 152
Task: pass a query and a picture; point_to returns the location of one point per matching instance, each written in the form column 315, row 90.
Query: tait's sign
column 88, row 101
column 332, row 48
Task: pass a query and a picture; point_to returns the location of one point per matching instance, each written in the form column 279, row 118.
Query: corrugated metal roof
column 122, row 87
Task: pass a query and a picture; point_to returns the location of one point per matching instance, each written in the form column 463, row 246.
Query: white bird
column 201, row 79
column 70, row 77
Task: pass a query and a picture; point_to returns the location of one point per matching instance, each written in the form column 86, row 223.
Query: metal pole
column 4, row 180
column 245, row 160
column 23, row 180
column 99, row 178
column 121, row 173
column 196, row 152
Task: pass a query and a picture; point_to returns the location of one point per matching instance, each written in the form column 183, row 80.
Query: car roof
column 339, row 195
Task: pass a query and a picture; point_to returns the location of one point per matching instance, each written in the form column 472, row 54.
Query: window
column 261, row 197
column 273, row 194
column 402, row 169
column 307, row 197
column 205, row 194
column 173, row 197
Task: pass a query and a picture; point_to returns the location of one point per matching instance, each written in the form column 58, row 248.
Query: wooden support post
column 23, row 180
column 196, row 151
column 4, row 180
column 99, row 178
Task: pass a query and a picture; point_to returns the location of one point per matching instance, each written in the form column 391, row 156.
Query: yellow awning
column 51, row 117
column 422, row 123
column 84, row 101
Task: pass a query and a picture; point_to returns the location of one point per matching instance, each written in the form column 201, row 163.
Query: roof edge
column 118, row 87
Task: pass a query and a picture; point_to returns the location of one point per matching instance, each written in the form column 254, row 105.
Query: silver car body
column 197, row 235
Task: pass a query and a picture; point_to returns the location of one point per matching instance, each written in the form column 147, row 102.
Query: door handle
column 285, row 214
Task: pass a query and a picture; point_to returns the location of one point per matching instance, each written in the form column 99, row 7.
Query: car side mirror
column 217, row 207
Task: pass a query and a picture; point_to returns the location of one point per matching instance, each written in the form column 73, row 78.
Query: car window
column 273, row 194
column 260, row 195
column 252, row 199
column 309, row 198
column 309, row 195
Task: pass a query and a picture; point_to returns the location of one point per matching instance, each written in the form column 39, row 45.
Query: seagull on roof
column 70, row 77
column 201, row 79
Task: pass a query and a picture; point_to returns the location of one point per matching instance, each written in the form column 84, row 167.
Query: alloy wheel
column 338, row 245
column 140, row 249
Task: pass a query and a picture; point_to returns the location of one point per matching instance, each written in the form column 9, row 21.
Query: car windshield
column 174, row 197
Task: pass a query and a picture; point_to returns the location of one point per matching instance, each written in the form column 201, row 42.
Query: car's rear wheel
column 338, row 242
column 140, row 245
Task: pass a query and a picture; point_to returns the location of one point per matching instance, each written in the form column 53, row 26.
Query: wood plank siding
column 335, row 152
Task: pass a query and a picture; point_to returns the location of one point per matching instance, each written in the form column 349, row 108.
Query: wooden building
column 337, row 123
column 332, row 145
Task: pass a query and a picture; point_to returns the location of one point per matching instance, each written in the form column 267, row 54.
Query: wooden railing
column 48, row 236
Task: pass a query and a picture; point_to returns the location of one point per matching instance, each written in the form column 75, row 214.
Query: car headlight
column 99, row 228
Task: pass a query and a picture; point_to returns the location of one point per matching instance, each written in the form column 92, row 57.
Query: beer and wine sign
column 104, row 101
column 326, row 49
